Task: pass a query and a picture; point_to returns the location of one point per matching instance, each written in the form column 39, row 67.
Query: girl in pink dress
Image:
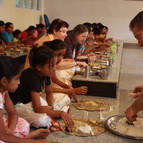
column 12, row 128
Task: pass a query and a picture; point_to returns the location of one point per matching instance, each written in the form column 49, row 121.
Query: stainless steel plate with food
column 119, row 126
column 79, row 70
column 98, row 66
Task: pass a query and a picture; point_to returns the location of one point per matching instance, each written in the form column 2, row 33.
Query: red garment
column 26, row 40
column 24, row 35
column 55, row 125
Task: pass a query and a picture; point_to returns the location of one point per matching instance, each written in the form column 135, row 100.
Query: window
column 0, row 3
column 29, row 4
column 18, row 3
column 39, row 4
column 25, row 4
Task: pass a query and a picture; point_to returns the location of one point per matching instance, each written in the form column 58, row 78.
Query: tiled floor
column 131, row 69
column 130, row 76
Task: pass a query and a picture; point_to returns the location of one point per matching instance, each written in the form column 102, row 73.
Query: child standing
column 12, row 128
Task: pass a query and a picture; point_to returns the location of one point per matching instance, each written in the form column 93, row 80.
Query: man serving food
column 136, row 26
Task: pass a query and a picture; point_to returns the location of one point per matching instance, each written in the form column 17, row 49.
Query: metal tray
column 110, row 124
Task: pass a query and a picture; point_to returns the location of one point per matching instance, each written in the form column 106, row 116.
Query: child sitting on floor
column 34, row 80
column 12, row 128
column 62, row 75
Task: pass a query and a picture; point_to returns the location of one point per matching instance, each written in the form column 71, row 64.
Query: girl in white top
column 12, row 128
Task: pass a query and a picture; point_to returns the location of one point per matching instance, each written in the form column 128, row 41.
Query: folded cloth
column 36, row 120
column 61, row 102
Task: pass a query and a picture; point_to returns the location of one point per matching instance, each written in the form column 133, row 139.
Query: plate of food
column 120, row 126
column 91, row 105
column 84, row 128
column 98, row 66
column 82, row 57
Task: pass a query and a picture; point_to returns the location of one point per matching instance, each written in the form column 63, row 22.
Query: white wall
column 22, row 18
column 116, row 14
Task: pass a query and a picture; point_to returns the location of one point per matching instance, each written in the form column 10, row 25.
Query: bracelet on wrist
column 52, row 107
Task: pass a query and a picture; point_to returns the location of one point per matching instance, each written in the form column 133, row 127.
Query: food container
column 82, row 59
column 87, row 72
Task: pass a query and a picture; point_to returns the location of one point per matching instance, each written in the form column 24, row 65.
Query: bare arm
column 46, row 109
column 78, row 91
column 58, row 82
column 12, row 115
column 64, row 90
column 138, row 104
column 104, row 44
column 49, row 95
column 88, row 49
column 131, row 112
column 66, row 64
column 9, row 138
column 38, row 108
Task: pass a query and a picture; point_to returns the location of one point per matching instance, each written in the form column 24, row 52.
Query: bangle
column 52, row 107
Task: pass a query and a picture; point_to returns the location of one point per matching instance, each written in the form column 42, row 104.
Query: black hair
column 9, row 67
column 106, row 27
column 137, row 21
column 94, row 25
column 16, row 33
column 40, row 26
column 100, row 26
column 2, row 23
column 40, row 56
column 56, row 25
column 30, row 28
column 55, row 44
column 88, row 26
column 8, row 24
column 96, row 30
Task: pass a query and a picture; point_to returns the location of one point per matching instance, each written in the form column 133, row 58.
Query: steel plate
column 110, row 124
